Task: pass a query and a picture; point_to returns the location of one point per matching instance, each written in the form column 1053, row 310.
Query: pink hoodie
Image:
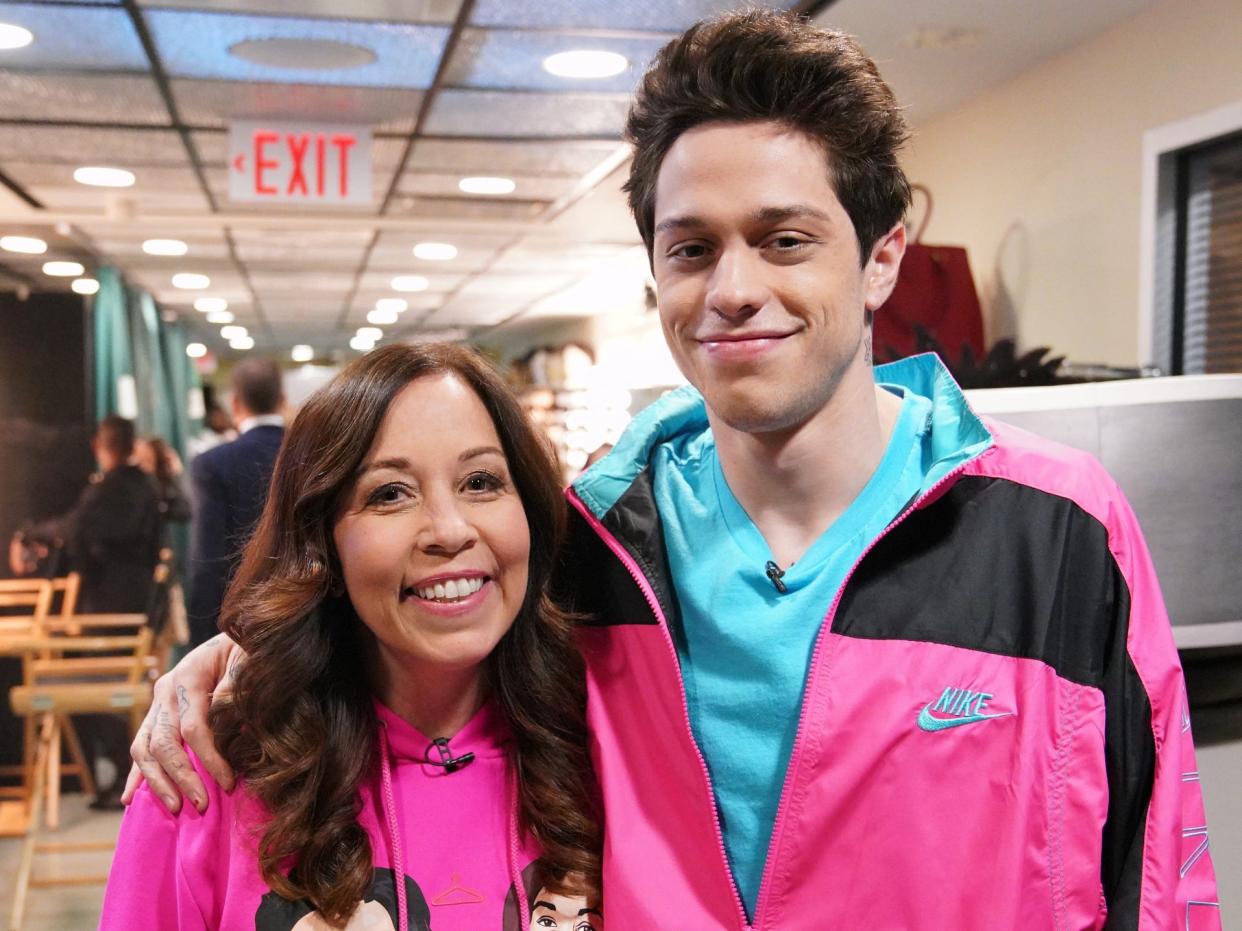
column 454, row 836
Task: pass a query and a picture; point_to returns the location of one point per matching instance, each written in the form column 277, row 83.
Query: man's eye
column 788, row 243
column 689, row 251
column 546, row 922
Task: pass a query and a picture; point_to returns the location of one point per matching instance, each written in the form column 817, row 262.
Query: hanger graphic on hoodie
column 457, row 894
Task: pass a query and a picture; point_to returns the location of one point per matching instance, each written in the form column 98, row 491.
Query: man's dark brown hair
column 116, row 434
column 760, row 66
column 258, row 386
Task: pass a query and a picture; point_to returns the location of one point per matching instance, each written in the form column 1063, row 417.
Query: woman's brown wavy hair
column 300, row 726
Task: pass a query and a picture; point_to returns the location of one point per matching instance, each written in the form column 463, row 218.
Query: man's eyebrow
column 590, row 911
column 673, row 224
column 788, row 212
column 547, row 905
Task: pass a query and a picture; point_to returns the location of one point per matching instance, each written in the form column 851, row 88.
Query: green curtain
column 114, row 367
column 141, row 369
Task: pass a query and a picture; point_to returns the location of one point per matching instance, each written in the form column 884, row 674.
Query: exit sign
column 299, row 163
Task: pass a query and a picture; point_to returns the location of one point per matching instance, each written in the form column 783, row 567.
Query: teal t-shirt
column 745, row 648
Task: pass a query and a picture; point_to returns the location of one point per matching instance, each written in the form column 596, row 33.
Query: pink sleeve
column 1170, row 859
column 146, row 887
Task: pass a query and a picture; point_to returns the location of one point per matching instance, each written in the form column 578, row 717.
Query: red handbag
column 933, row 302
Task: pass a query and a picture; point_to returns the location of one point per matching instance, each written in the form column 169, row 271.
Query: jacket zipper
column 826, row 625
column 644, row 586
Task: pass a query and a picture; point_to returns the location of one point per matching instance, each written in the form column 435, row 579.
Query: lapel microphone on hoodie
column 447, row 760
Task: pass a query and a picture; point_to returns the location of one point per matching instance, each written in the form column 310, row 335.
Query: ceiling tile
column 75, row 38
column 381, row 281
column 509, row 158
column 651, row 15
column 78, row 146
column 196, row 45
column 60, row 175
column 466, row 208
column 149, row 201
column 392, row 11
column 215, row 103
column 525, row 113
column 91, row 98
column 514, row 60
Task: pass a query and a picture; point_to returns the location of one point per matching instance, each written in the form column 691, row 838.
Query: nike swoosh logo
column 928, row 723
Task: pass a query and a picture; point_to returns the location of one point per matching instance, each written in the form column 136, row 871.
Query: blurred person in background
column 111, row 538
column 162, row 464
column 229, row 489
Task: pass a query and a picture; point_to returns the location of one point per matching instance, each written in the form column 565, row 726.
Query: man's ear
column 880, row 273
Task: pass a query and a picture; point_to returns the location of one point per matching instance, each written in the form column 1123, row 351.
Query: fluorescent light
column 395, row 304
column 220, row 316
column 190, row 281
column 24, row 244
column 410, row 283
column 370, row 332
column 382, row 317
column 85, row 286
column 63, row 269
column 102, row 176
column 242, row 342
column 487, row 185
column 435, row 251
column 585, row 63
column 361, row 344
column 302, row 353
column 12, row 36
column 196, row 350
column 233, row 332
column 211, row 304
column 164, row 247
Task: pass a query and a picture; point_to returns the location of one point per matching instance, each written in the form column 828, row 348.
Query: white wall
column 1040, row 178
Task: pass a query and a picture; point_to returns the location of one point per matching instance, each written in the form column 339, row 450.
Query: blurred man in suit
column 230, row 488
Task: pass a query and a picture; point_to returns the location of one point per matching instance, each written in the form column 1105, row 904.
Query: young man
column 856, row 658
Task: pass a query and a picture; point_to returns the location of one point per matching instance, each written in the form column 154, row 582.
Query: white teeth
column 451, row 590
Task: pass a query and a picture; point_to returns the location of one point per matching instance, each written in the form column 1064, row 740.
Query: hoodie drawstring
column 515, row 853
column 394, row 835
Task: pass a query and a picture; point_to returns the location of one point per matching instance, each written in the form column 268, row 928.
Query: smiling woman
column 411, row 702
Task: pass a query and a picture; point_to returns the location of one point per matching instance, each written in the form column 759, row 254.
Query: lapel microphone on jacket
column 447, row 761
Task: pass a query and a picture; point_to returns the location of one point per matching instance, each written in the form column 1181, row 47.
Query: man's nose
column 737, row 288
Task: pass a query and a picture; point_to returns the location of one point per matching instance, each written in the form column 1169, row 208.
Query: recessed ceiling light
column 63, row 269
column 164, row 247
column 242, row 342
column 382, row 317
column 195, row 350
column 12, row 36
column 435, row 251
column 27, row 245
column 585, row 63
column 370, row 332
column 410, row 283
column 319, row 54
column 395, row 304
column 486, row 185
column 302, row 353
column 220, row 316
column 361, row 344
column 191, row 281
column 209, row 304
column 85, row 286
column 233, row 332
column 101, row 176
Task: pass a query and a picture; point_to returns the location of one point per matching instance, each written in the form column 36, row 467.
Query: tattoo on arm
column 183, row 703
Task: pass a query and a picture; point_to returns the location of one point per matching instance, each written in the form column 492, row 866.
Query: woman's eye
column 483, row 482
column 585, row 926
column 546, row 922
column 387, row 494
